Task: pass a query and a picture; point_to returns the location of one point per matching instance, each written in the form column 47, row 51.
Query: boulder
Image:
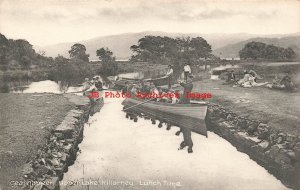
column 279, row 154
column 41, row 170
column 27, row 169
column 264, row 144
column 52, row 183
column 242, row 124
column 297, row 151
column 251, row 129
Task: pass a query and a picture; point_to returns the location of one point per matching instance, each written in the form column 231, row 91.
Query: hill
column 120, row 44
column 232, row 50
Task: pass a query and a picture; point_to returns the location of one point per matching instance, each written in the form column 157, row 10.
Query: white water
column 46, row 86
column 143, row 156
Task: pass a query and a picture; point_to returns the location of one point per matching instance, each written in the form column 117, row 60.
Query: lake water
column 215, row 72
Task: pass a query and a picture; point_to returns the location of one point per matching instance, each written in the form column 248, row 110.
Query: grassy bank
column 25, row 122
column 277, row 108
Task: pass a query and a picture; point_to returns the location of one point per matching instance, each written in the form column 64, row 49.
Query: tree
column 259, row 50
column 200, row 47
column 105, row 54
column 20, row 53
column 252, row 50
column 78, row 51
column 109, row 65
column 61, row 60
column 4, row 48
column 290, row 53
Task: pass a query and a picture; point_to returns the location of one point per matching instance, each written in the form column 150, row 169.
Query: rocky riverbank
column 52, row 161
column 276, row 150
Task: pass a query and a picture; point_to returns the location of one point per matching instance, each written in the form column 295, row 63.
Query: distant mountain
column 232, row 50
column 120, row 44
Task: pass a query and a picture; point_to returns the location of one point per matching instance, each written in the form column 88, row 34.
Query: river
column 117, row 153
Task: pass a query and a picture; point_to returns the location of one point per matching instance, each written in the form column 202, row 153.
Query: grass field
column 25, row 121
column 279, row 109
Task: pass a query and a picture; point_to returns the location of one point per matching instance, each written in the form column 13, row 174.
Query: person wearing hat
column 170, row 75
column 134, row 90
column 187, row 88
column 98, row 83
column 125, row 89
column 245, row 78
column 187, row 71
column 230, row 77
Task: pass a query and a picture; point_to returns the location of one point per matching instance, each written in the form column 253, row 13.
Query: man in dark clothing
column 286, row 81
column 230, row 77
column 125, row 88
column 188, row 87
column 187, row 139
column 170, row 75
column 98, row 84
column 146, row 87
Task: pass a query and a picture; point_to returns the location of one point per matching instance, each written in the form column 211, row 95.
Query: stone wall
column 52, row 161
column 277, row 151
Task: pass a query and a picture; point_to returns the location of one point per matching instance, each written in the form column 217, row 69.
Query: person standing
column 170, row 75
column 187, row 89
column 187, row 138
column 187, row 71
column 125, row 88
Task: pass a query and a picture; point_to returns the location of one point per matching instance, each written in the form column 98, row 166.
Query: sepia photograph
column 149, row 95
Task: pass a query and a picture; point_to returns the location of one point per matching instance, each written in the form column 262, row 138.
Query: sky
column 45, row 22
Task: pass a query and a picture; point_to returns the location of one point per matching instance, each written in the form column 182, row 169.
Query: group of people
column 95, row 84
column 167, row 95
column 170, row 72
column 285, row 83
column 250, row 79
column 148, row 90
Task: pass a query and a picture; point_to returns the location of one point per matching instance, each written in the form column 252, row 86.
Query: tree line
column 20, row 54
column 258, row 50
column 152, row 49
column 159, row 49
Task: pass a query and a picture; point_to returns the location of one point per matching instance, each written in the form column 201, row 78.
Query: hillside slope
column 120, row 44
column 232, row 50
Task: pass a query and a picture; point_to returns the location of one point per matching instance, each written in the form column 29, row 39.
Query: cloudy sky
column 44, row 22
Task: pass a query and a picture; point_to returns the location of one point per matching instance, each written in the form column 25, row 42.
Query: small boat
column 191, row 116
column 159, row 81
